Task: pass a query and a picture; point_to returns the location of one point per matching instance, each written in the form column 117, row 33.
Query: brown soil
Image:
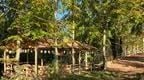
column 133, row 64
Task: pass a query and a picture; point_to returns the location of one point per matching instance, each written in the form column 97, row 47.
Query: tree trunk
column 125, row 50
column 73, row 51
column 104, row 51
column 56, row 63
column 129, row 49
column 113, row 47
column 116, row 46
column 137, row 48
column 134, row 49
column 143, row 46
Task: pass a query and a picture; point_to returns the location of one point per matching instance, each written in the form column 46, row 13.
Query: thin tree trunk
column 56, row 48
column 134, row 49
column 125, row 50
column 143, row 46
column 137, row 48
column 130, row 49
column 73, row 51
column 104, row 50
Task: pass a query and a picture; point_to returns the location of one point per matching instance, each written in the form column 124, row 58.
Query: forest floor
column 128, row 65
column 132, row 64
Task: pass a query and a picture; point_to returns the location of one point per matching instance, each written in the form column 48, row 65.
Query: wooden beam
column 11, row 60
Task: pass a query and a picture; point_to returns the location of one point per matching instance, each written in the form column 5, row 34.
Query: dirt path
column 133, row 64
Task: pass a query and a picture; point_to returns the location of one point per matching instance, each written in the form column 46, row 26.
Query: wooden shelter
column 41, row 44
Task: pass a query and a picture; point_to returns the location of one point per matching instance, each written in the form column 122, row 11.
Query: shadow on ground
column 100, row 75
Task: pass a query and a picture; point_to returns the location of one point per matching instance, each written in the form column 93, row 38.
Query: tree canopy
column 37, row 19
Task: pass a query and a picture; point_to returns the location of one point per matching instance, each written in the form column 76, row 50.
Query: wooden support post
column 86, row 60
column 42, row 56
column 36, row 61
column 73, row 59
column 4, row 59
column 56, row 57
column 18, row 54
column 56, row 60
column 42, row 62
column 18, row 51
column 79, row 62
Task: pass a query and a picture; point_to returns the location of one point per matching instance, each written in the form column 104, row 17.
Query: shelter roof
column 46, row 43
